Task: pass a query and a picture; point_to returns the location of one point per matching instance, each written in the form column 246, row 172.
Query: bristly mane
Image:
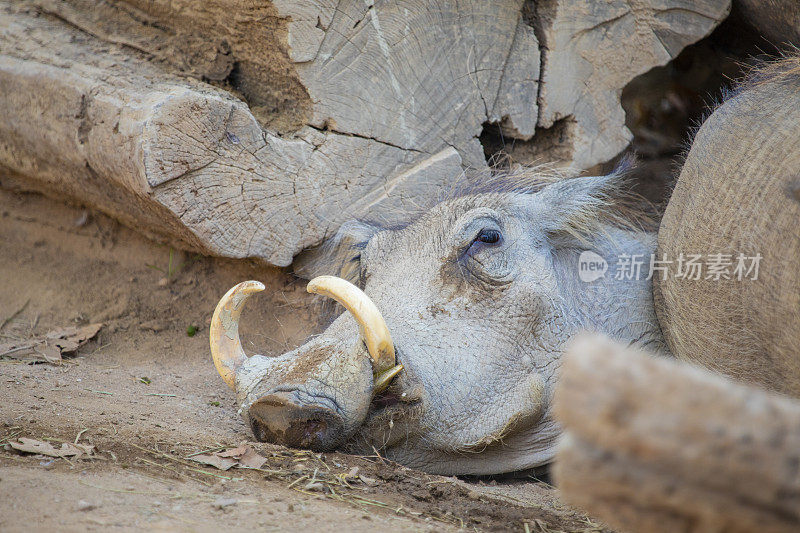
column 784, row 68
column 614, row 205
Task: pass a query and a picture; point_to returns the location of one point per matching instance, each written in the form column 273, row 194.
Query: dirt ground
column 146, row 395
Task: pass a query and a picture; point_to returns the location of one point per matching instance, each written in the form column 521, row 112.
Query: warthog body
column 481, row 292
column 739, row 193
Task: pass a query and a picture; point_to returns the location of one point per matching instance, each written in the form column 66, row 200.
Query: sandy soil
column 146, row 395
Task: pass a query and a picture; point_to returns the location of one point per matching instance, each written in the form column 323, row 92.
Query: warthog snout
column 293, row 418
column 317, row 395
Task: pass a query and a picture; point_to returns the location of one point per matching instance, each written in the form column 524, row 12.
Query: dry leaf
column 87, row 448
column 35, row 446
column 50, row 353
column 233, row 452
column 216, row 461
column 251, row 459
column 54, row 344
column 242, row 456
column 71, row 337
column 245, row 455
column 65, row 345
column 45, row 448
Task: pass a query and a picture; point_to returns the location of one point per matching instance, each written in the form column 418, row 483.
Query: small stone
column 152, row 325
column 368, row 481
column 82, row 219
column 163, row 282
column 222, row 503
column 83, row 505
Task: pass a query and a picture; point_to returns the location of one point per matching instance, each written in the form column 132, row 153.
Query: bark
column 655, row 445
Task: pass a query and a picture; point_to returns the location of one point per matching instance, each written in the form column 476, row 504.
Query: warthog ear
column 339, row 255
column 577, row 208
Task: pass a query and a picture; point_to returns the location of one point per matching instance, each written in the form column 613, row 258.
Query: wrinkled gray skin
column 479, row 328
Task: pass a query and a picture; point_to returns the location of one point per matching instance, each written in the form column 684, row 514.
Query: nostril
column 307, row 433
column 283, row 419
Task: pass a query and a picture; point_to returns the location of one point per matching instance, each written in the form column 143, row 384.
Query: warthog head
column 447, row 353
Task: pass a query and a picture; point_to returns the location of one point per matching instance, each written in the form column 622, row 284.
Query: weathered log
column 101, row 125
column 651, row 444
column 424, row 74
column 593, row 49
column 350, row 108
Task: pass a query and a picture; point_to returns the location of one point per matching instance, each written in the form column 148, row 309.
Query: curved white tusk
column 373, row 328
column 226, row 348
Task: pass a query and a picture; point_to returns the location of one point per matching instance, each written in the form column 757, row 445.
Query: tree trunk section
column 248, row 130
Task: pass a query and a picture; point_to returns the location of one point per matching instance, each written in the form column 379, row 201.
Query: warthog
column 479, row 294
column 448, row 352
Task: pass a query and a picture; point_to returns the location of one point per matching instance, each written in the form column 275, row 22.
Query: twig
column 14, row 314
column 378, row 455
column 100, row 392
column 106, row 345
column 165, row 467
column 27, row 345
column 296, row 481
column 213, row 474
column 10, row 436
column 270, row 471
column 81, row 432
column 209, row 450
column 161, row 454
column 165, row 395
column 34, row 323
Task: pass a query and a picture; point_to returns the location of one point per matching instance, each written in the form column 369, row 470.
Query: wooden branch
column 655, row 445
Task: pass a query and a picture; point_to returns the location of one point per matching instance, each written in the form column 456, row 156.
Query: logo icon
column 591, row 266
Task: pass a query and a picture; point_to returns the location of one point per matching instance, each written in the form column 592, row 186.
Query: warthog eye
column 489, row 236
